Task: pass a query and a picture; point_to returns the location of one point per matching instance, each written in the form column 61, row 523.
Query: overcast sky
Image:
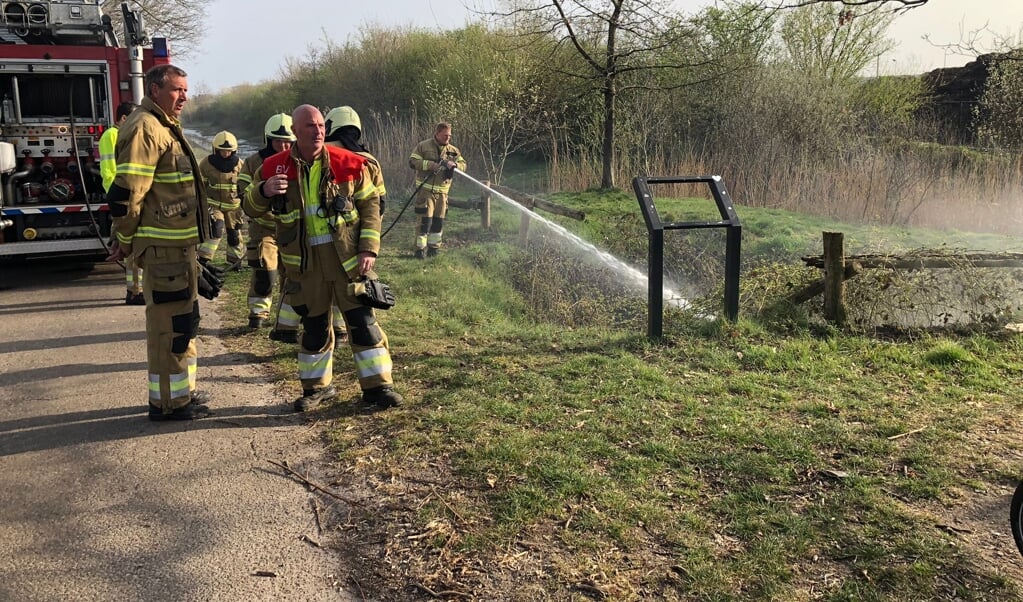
column 248, row 40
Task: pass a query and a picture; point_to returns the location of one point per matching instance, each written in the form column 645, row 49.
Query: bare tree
column 498, row 107
column 895, row 4
column 182, row 22
column 834, row 44
column 618, row 44
column 984, row 41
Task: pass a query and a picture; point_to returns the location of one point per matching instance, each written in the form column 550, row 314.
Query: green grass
column 725, row 462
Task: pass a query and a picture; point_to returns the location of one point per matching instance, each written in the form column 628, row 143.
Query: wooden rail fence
column 839, row 267
column 528, row 201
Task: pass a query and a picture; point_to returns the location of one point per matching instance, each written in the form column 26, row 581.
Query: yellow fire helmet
column 279, row 127
column 225, row 141
column 338, row 117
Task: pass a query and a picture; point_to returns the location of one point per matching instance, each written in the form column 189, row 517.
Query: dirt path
column 101, row 504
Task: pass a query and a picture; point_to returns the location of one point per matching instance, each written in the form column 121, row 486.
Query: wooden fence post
column 524, row 224
column 834, row 278
column 485, row 206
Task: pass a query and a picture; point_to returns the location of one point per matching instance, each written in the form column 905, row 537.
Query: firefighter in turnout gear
column 261, row 248
column 159, row 213
column 344, row 130
column 219, row 173
column 107, row 171
column 435, row 161
column 328, row 215
column 263, row 242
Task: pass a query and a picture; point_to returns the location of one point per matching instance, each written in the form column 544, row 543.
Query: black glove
column 278, row 204
column 209, row 283
column 216, row 271
column 373, row 293
column 449, row 172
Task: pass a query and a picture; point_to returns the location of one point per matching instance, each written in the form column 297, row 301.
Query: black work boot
column 340, row 338
column 432, row 251
column 189, row 411
column 420, row 254
column 257, row 322
column 200, row 397
column 312, row 398
column 131, row 298
column 381, row 398
column 284, row 336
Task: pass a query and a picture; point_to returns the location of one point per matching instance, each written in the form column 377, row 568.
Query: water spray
column 630, row 275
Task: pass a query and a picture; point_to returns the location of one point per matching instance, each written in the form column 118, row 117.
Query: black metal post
column 655, row 229
column 733, row 242
column 655, row 285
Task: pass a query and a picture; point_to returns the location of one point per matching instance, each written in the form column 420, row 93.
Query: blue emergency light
column 160, row 47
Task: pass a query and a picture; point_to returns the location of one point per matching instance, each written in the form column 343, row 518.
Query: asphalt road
column 98, row 503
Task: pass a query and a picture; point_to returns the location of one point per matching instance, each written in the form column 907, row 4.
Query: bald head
column 307, row 124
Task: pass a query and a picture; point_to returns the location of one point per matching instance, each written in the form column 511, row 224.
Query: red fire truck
column 63, row 71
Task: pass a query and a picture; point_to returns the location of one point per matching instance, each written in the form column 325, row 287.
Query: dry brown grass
column 953, row 188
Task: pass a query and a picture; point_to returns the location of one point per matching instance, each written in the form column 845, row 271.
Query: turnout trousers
column 289, row 320
column 235, row 228
column 172, row 321
column 229, row 224
column 261, row 253
column 312, row 294
column 132, row 275
column 431, row 208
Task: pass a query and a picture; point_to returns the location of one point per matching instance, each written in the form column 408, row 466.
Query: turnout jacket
column 221, row 186
column 341, row 207
column 156, row 199
column 422, row 159
column 376, row 173
column 248, row 172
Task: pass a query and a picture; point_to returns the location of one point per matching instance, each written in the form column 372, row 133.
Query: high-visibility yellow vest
column 349, row 219
column 107, row 158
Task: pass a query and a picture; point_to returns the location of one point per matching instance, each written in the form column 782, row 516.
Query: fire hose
column 81, row 176
column 413, row 196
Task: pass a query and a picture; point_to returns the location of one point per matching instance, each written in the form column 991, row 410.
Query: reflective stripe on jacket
column 376, row 173
column 221, row 187
column 350, row 204
column 422, row 160
column 166, row 203
column 249, row 171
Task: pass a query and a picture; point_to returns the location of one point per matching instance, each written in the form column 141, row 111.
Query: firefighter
column 107, row 171
column 219, row 173
column 328, row 215
column 159, row 213
column 434, row 161
column 344, row 130
column 261, row 248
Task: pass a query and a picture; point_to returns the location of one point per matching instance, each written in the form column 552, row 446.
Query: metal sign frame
column 655, row 229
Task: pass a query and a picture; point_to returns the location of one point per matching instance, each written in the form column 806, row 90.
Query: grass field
column 548, row 450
